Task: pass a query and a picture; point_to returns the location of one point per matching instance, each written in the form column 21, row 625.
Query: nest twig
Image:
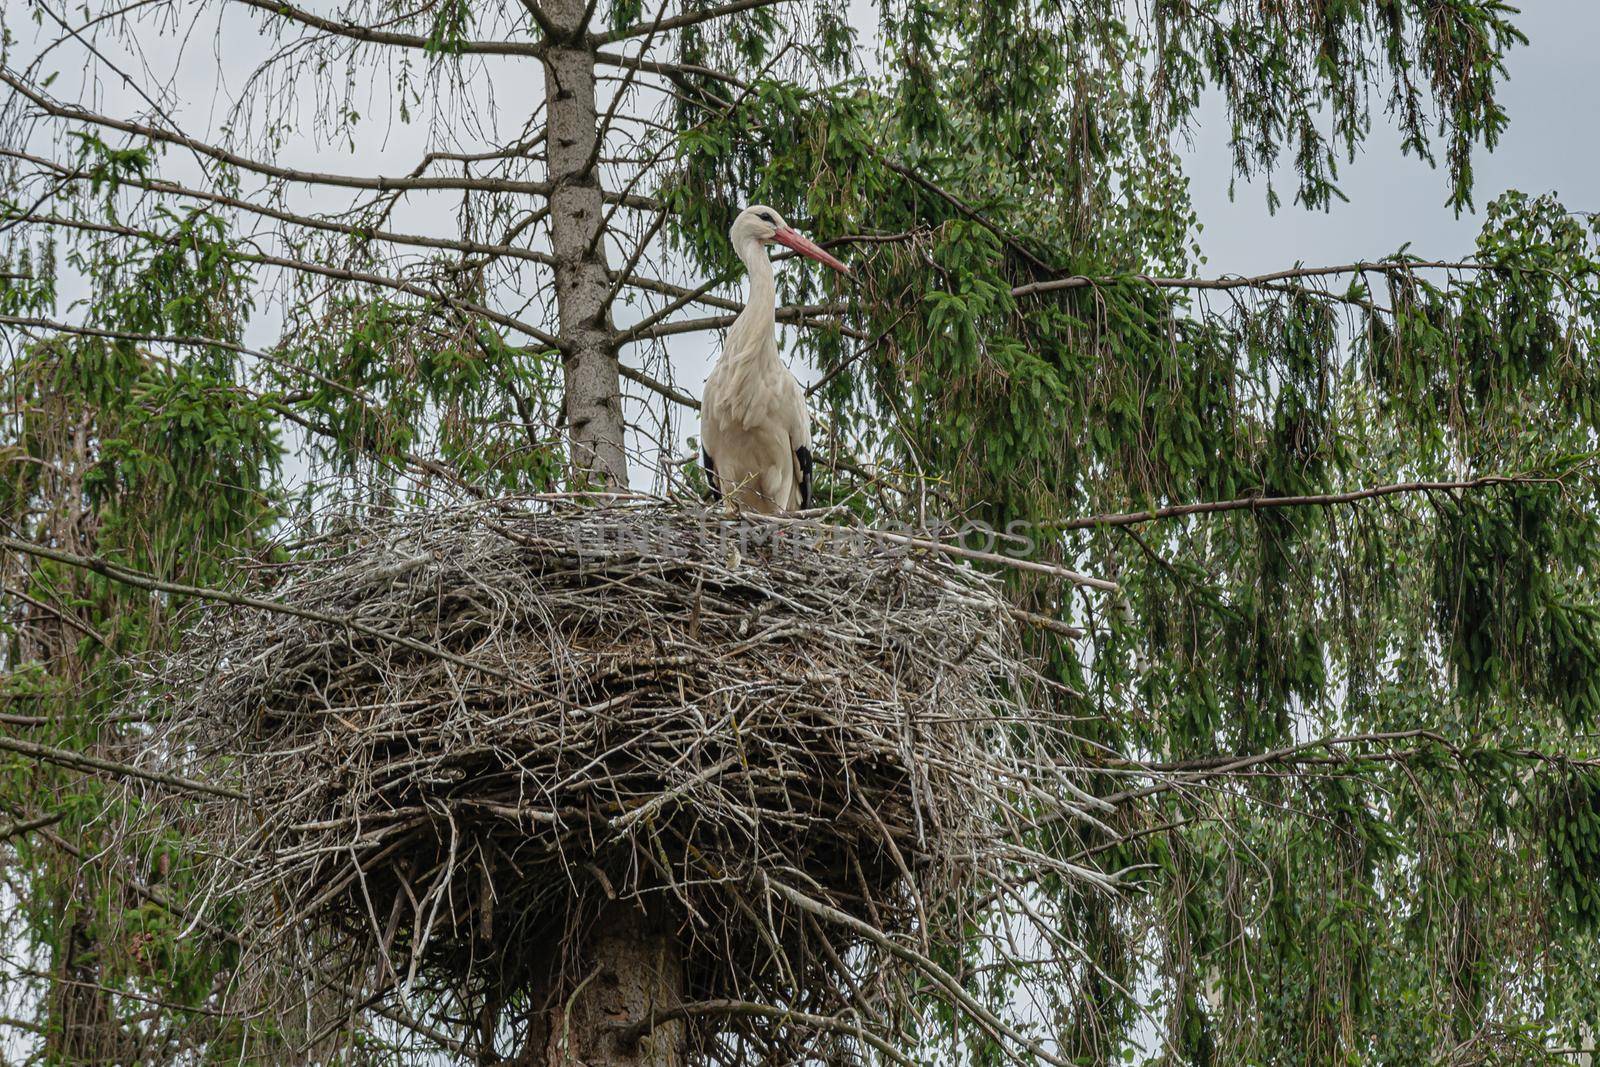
column 767, row 734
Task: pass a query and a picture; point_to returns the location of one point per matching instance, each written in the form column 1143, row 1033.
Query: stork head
column 764, row 225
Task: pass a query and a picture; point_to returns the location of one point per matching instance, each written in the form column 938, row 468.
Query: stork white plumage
column 754, row 426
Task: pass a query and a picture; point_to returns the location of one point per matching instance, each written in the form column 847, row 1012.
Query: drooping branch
column 1395, row 266
column 421, row 464
column 1180, row 774
column 963, row 207
column 1260, row 503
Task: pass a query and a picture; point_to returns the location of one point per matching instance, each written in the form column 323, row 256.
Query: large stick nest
column 485, row 724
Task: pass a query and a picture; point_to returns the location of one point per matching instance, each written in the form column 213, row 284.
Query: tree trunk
column 81, row 1027
column 593, row 404
column 633, row 966
column 633, row 971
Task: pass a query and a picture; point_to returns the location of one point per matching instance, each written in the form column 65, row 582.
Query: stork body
column 755, row 428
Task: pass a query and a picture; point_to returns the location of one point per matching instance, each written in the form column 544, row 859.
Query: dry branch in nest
column 806, row 753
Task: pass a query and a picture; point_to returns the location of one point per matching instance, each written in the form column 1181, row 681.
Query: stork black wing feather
column 803, row 456
column 711, row 474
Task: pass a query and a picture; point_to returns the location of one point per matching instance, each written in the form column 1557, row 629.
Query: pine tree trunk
column 634, row 966
column 633, row 972
column 593, row 404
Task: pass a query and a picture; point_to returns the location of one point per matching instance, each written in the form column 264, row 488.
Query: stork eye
column 767, row 215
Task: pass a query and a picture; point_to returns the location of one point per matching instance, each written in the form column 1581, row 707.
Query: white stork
column 754, row 426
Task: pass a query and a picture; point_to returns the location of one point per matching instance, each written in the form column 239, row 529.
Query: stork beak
column 806, row 247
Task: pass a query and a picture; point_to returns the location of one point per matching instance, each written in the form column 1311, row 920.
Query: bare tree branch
column 674, row 71
column 1397, row 266
column 544, row 337
column 678, row 22
column 369, row 35
column 485, row 253
column 312, row 222
column 23, row 826
column 66, row 617
column 80, row 761
column 159, row 898
column 379, row 183
column 541, row 19
column 807, row 315
column 1182, row 773
column 1260, row 503
column 128, row 576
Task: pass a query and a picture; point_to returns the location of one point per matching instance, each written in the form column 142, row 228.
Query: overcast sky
column 1553, row 144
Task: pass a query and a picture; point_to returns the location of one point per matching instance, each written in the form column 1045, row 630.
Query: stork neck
column 757, row 317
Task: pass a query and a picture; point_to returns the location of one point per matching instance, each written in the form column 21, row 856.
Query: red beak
column 806, row 247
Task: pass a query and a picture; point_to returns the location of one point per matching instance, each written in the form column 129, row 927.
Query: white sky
column 1553, row 144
